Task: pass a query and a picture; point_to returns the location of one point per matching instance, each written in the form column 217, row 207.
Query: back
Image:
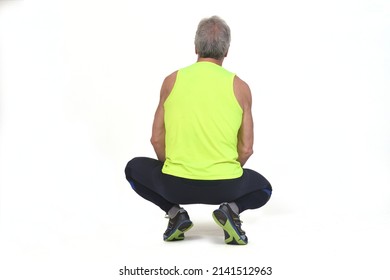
column 202, row 118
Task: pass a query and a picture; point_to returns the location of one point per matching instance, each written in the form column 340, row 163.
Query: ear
column 226, row 53
column 196, row 51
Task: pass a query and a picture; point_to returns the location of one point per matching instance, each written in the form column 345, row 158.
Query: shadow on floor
column 206, row 230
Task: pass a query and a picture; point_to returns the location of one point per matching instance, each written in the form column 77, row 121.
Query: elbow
column 244, row 155
column 153, row 141
column 159, row 148
column 247, row 152
column 157, row 142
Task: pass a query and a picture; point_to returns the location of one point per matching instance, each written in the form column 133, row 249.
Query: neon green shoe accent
column 231, row 236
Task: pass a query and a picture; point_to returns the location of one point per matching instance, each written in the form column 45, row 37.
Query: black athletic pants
column 250, row 191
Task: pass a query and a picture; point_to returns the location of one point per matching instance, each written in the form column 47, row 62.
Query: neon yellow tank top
column 202, row 117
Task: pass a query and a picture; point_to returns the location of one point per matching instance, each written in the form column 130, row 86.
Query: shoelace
column 238, row 223
column 237, row 218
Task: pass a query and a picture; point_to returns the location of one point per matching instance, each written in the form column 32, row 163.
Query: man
column 202, row 135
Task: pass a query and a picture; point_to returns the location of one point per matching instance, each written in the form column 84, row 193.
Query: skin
column 244, row 98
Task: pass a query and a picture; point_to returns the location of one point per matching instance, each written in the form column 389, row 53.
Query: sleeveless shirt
column 202, row 118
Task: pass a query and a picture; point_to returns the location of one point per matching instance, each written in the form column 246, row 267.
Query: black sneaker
column 177, row 226
column 231, row 225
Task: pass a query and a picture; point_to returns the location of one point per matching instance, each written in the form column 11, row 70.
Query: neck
column 212, row 60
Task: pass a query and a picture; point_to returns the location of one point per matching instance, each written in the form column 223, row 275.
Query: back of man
column 202, row 118
column 202, row 135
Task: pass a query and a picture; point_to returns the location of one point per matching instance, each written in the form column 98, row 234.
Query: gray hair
column 212, row 39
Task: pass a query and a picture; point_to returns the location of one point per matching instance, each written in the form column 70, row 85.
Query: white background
column 80, row 81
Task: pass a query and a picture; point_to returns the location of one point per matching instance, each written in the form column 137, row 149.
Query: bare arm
column 158, row 129
column 245, row 134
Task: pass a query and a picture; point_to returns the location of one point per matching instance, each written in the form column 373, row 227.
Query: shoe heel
column 220, row 218
column 179, row 232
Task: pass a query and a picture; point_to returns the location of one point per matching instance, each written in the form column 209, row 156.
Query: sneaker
column 231, row 225
column 177, row 226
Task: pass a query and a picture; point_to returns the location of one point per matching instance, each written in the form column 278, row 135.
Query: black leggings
column 250, row 191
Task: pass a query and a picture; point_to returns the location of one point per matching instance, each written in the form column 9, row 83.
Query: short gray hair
column 212, row 39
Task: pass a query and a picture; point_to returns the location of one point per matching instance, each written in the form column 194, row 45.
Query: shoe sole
column 178, row 233
column 232, row 237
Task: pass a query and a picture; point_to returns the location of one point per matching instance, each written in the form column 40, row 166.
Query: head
column 212, row 39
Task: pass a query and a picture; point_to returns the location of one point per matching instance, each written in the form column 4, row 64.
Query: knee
column 128, row 172
column 268, row 193
column 133, row 162
column 129, row 167
column 268, row 189
column 264, row 196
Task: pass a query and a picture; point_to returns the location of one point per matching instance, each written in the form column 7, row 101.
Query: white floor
column 76, row 104
column 90, row 231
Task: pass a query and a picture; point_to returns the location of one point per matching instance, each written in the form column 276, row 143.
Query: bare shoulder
column 168, row 84
column 242, row 93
